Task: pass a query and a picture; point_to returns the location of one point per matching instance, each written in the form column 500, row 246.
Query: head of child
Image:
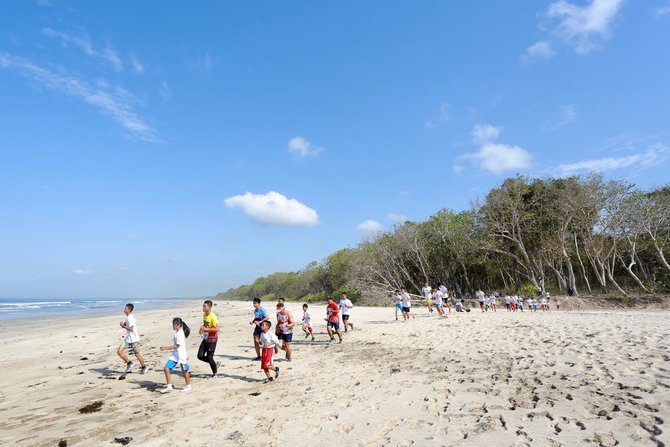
column 257, row 303
column 128, row 309
column 207, row 307
column 178, row 323
column 280, row 307
column 305, row 306
column 265, row 326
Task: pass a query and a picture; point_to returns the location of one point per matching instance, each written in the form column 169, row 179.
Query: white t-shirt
column 480, row 296
column 427, row 291
column 131, row 336
column 345, row 306
column 307, row 318
column 444, row 290
column 406, row 300
column 397, row 299
column 269, row 337
column 179, row 355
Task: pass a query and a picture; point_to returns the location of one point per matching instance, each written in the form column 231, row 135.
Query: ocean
column 30, row 308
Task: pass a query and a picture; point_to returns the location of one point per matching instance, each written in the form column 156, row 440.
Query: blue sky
column 156, row 149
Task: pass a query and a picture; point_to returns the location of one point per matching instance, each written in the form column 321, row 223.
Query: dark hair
column 257, row 300
column 305, row 305
column 184, row 326
column 268, row 322
column 130, row 306
column 281, row 300
column 209, row 303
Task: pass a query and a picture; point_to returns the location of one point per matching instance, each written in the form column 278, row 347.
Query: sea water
column 30, row 308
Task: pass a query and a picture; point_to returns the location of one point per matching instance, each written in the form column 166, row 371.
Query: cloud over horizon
column 653, row 156
column 370, row 227
column 274, row 208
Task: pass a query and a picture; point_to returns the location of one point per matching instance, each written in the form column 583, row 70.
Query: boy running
column 285, row 323
column 268, row 341
column 131, row 340
column 333, row 319
column 406, row 305
column 260, row 315
column 345, row 308
column 210, row 335
column 307, row 322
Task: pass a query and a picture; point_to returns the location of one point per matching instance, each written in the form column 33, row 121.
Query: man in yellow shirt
column 210, row 335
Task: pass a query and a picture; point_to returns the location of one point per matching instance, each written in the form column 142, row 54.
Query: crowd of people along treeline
column 572, row 236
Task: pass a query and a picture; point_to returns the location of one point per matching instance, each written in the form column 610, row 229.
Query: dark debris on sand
column 123, row 441
column 91, row 408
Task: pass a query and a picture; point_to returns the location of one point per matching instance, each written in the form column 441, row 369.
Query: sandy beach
column 599, row 378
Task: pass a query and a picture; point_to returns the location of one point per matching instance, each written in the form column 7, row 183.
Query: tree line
column 574, row 236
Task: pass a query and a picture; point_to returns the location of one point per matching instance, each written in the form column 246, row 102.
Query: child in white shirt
column 179, row 355
column 268, row 342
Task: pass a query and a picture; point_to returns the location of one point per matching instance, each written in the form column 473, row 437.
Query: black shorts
column 406, row 309
column 257, row 331
column 345, row 317
column 288, row 338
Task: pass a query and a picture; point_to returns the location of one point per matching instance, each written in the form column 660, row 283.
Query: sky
column 159, row 149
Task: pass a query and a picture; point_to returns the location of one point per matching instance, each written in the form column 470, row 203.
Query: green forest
column 574, row 236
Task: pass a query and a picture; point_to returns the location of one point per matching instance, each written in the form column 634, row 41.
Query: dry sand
column 499, row 379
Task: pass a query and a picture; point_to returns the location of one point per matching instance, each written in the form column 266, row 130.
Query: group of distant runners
column 266, row 342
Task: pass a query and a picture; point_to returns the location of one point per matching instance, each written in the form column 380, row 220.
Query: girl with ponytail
column 179, row 355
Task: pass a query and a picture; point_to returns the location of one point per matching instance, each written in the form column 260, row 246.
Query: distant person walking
column 260, row 315
column 209, row 331
column 428, row 296
column 480, row 298
column 406, row 305
column 131, row 340
column 345, row 310
column 397, row 303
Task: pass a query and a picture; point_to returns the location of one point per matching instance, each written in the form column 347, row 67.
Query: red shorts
column 266, row 358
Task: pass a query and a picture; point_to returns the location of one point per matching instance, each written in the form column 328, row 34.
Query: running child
column 307, row 322
column 285, row 323
column 179, row 355
column 406, row 305
column 397, row 301
column 131, row 340
column 260, row 315
column 345, row 310
column 428, row 295
column 269, row 342
column 333, row 319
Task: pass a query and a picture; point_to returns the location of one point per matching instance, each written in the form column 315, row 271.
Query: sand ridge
column 510, row 379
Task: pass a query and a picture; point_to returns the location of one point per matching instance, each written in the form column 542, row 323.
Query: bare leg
column 167, row 376
column 123, row 355
column 187, row 377
column 140, row 358
column 257, row 346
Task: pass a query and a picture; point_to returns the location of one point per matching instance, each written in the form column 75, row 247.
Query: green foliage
column 528, row 290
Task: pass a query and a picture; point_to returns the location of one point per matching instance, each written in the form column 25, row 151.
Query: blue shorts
column 398, row 306
column 288, row 338
column 171, row 364
column 334, row 325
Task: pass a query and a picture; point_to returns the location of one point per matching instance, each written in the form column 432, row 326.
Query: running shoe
column 186, row 389
column 129, row 366
column 143, row 370
column 167, row 389
column 276, row 373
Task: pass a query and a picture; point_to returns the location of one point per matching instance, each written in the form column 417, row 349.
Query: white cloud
column 495, row 157
column 81, row 272
column 370, row 227
column 397, row 218
column 538, row 51
column 301, row 148
column 583, row 27
column 655, row 155
column 484, row 133
column 82, row 42
column 440, row 118
column 204, row 64
column 663, row 10
column 138, row 67
column 274, row 208
column 458, row 169
column 116, row 103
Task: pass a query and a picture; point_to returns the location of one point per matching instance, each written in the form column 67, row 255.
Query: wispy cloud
column 663, row 10
column 81, row 272
column 458, row 169
column 204, row 64
column 566, row 115
column 138, row 67
column 370, row 227
column 274, row 208
column 655, row 155
column 582, row 28
column 496, row 157
column 83, row 42
column 114, row 102
column 442, row 116
column 538, row 51
column 165, row 92
column 397, row 218
column 301, row 148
